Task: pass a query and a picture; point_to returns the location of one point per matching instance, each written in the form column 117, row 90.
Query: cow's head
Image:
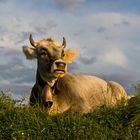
column 51, row 57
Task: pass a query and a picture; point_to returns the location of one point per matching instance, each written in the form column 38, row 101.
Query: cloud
column 111, row 37
column 17, row 32
column 3, row 1
column 118, row 77
column 64, row 4
column 114, row 56
column 87, row 60
column 126, row 80
column 21, row 37
column 16, row 72
column 44, row 27
column 101, row 29
column 115, row 23
column 15, row 89
column 6, row 51
column 124, row 23
column 16, row 76
column 73, row 67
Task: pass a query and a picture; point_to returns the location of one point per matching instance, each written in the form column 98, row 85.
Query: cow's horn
column 64, row 42
column 33, row 43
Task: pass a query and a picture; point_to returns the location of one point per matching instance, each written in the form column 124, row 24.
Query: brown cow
column 59, row 90
column 82, row 93
column 51, row 64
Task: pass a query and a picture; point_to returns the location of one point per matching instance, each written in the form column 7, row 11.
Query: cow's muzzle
column 59, row 68
column 47, row 104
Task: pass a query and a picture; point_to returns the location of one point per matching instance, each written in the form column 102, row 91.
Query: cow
column 59, row 90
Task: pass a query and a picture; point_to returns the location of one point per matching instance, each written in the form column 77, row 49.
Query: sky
column 105, row 34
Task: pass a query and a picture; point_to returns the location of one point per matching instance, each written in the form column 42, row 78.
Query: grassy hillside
column 119, row 123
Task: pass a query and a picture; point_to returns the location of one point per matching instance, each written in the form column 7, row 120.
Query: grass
column 28, row 123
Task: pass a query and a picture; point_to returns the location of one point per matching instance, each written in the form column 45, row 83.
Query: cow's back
column 81, row 92
column 84, row 93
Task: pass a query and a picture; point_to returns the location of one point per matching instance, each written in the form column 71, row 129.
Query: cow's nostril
column 48, row 104
column 60, row 64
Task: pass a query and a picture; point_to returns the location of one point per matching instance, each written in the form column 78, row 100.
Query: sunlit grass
column 25, row 122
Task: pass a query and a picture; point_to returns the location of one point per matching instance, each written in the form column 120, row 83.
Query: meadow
column 23, row 122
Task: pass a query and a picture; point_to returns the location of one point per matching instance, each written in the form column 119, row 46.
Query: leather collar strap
column 42, row 84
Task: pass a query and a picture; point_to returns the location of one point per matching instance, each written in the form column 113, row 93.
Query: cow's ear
column 69, row 55
column 30, row 53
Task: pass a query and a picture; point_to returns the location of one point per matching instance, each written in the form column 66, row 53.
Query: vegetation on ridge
column 25, row 122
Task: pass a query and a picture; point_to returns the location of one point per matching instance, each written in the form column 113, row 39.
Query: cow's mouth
column 59, row 71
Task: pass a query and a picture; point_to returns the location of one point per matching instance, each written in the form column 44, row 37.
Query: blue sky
column 105, row 33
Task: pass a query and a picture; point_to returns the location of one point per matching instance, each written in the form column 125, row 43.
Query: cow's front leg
column 35, row 95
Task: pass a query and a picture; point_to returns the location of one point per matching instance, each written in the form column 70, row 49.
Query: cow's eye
column 43, row 53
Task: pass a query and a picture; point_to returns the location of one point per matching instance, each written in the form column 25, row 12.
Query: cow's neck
column 40, row 81
column 43, row 82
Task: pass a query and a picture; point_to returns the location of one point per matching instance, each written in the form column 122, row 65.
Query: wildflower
column 22, row 134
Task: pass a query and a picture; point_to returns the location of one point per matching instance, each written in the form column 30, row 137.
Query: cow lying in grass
column 60, row 90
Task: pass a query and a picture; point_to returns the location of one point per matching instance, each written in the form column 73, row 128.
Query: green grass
column 28, row 123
